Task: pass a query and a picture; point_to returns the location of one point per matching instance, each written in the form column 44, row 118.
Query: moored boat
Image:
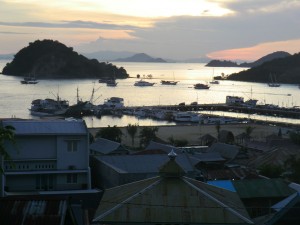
column 143, row 83
column 187, row 117
column 201, row 86
column 168, row 82
column 48, row 107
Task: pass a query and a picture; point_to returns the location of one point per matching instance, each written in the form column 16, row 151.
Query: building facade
column 51, row 155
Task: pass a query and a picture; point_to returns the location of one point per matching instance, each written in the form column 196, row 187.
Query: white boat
column 114, row 102
column 48, row 107
column 214, row 82
column 187, row 117
column 142, row 83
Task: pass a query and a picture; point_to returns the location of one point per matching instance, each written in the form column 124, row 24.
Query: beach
column 193, row 133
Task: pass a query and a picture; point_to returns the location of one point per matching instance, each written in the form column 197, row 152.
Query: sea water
column 16, row 98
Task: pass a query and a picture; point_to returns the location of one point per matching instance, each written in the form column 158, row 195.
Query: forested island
column 47, row 59
column 286, row 70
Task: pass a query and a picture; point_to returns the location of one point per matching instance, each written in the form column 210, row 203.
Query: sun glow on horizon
column 257, row 51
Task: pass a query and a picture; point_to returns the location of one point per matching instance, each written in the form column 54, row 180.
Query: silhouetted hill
column 52, row 59
column 105, row 56
column 269, row 57
column 221, row 63
column 286, row 70
column 141, row 57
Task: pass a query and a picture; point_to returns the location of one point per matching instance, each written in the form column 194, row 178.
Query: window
column 72, row 146
column 72, row 178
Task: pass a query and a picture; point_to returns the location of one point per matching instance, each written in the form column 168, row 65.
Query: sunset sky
column 172, row 29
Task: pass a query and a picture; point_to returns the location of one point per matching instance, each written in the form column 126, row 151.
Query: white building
column 50, row 155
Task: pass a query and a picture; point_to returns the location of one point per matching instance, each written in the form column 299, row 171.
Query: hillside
column 266, row 58
column 52, row 59
column 286, row 70
column 141, row 57
column 221, row 63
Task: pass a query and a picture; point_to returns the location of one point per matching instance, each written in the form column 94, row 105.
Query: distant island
column 221, row 63
column 227, row 63
column 51, row 59
column 140, row 57
column 286, row 70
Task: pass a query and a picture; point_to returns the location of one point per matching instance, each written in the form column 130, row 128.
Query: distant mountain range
column 140, row 57
column 269, row 57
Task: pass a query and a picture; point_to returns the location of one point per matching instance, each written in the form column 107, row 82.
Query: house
column 104, row 146
column 114, row 170
column 49, row 155
column 170, row 198
column 229, row 152
column 259, row 195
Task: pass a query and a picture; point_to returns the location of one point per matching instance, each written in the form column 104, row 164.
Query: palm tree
column 132, row 130
column 6, row 135
column 147, row 134
column 111, row 133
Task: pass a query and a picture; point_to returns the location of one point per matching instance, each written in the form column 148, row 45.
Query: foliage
column 292, row 166
column 132, row 130
column 285, row 69
column 6, row 135
column 111, row 133
column 295, row 137
column 178, row 142
column 52, row 59
column 218, row 126
column 249, row 130
column 271, row 171
column 147, row 134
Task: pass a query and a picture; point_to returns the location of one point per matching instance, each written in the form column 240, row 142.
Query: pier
column 268, row 110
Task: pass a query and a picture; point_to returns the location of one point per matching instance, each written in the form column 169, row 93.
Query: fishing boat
column 48, row 107
column 142, row 83
column 201, row 86
column 273, row 82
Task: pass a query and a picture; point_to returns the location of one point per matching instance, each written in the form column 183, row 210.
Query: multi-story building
column 49, row 155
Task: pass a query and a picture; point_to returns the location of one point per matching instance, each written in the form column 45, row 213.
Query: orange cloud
column 257, row 51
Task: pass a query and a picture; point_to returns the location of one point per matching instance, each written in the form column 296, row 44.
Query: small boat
column 168, row 82
column 111, row 83
column 29, row 80
column 201, row 86
column 142, row 83
column 214, row 82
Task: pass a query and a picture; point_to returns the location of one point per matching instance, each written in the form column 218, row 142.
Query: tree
column 132, row 130
column 147, row 134
column 6, row 135
column 111, row 133
column 249, row 130
column 218, row 126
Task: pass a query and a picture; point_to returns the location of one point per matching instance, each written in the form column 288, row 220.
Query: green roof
column 262, row 188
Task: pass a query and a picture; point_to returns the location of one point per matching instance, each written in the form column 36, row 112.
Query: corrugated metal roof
column 47, row 127
column 143, row 163
column 227, row 151
column 104, row 146
column 167, row 148
column 33, row 211
column 262, row 188
column 173, row 201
